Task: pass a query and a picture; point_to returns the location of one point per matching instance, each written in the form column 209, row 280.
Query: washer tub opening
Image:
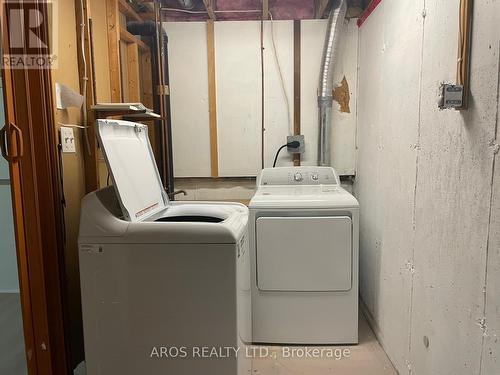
column 190, row 219
column 193, row 213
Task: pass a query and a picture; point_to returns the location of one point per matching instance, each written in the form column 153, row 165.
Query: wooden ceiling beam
column 128, row 11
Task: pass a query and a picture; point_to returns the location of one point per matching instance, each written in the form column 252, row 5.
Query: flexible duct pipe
column 325, row 98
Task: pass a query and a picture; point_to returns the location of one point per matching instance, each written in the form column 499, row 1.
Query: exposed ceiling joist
column 126, row 9
column 281, row 10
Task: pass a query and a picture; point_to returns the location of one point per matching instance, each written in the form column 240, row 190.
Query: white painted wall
column 428, row 187
column 343, row 124
column 187, row 48
column 275, row 108
column 238, row 80
column 238, row 71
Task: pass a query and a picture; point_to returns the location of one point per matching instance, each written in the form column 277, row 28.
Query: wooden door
column 31, row 149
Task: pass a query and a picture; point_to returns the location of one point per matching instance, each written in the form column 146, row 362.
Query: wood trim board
column 91, row 155
column 212, row 99
column 134, row 80
column 113, row 27
column 296, row 84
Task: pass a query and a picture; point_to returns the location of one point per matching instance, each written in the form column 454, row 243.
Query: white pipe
column 85, row 80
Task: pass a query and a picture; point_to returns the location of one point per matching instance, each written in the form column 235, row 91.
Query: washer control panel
column 298, row 176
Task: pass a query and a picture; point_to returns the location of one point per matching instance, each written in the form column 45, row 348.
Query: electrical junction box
column 452, row 96
column 67, row 140
column 296, row 150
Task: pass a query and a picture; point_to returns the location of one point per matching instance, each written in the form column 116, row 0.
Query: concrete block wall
column 428, row 182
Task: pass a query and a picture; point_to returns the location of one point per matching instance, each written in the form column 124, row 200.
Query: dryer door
column 304, row 253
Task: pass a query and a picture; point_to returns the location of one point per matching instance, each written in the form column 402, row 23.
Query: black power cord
column 293, row 144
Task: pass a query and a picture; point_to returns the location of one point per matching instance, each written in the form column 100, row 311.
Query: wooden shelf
column 127, row 112
column 142, row 117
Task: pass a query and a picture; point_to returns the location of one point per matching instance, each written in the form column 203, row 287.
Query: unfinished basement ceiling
column 195, row 10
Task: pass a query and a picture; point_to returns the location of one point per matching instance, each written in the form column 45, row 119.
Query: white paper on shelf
column 66, row 97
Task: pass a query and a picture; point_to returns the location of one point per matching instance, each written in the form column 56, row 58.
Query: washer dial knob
column 298, row 176
column 314, row 176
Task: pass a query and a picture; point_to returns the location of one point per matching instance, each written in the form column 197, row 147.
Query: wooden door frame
column 38, row 212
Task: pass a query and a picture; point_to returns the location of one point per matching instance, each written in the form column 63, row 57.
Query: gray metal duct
column 325, row 99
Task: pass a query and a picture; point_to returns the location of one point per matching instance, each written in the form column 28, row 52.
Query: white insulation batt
column 239, row 95
column 187, row 48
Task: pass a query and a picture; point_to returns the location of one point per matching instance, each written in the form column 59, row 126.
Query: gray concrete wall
column 428, row 182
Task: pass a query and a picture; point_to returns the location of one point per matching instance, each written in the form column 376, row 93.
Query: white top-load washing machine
column 304, row 247
column 165, row 285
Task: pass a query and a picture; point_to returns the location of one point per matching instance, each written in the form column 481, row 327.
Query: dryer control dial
column 298, row 177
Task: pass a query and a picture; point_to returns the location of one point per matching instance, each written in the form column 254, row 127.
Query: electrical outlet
column 451, row 96
column 298, row 150
column 67, row 140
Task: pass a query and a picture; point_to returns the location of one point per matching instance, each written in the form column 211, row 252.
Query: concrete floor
column 367, row 357
column 12, row 355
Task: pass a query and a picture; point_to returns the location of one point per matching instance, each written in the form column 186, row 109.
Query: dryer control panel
column 298, row 176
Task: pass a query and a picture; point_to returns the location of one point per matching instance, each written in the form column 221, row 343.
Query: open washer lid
column 132, row 167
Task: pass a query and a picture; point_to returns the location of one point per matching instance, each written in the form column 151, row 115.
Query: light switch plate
column 67, row 140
